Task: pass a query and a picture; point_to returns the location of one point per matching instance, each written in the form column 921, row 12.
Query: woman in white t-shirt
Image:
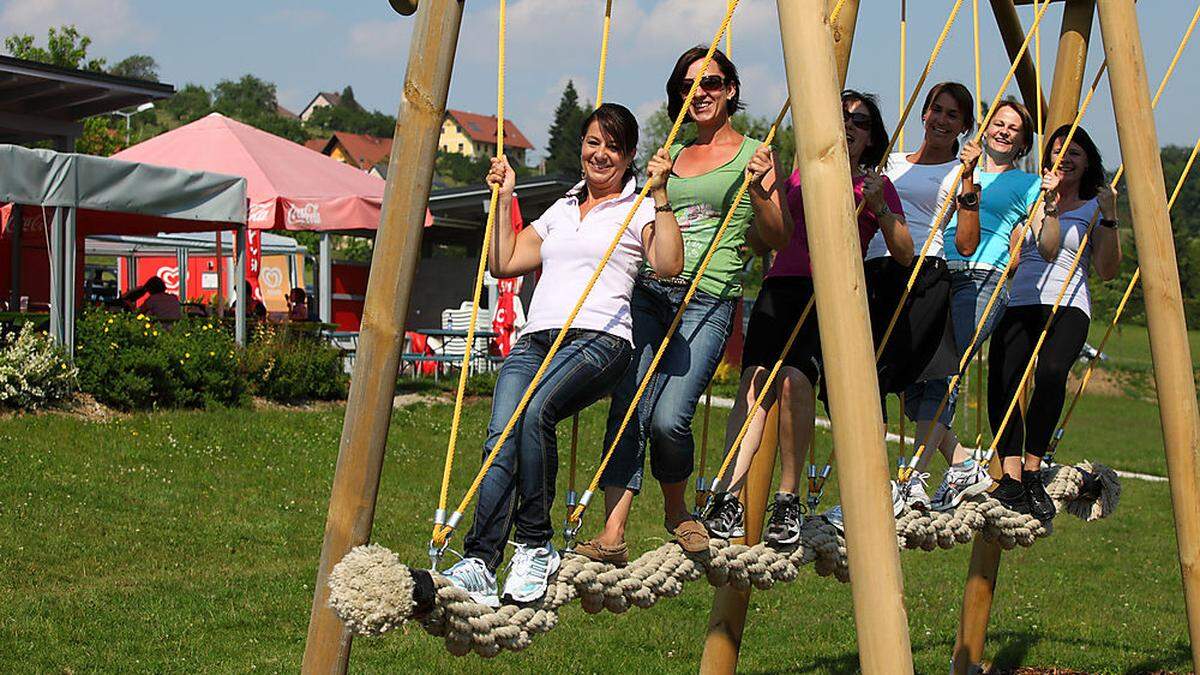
column 947, row 114
column 1074, row 194
column 567, row 243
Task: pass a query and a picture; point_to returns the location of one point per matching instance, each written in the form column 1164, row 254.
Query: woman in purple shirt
column 786, row 290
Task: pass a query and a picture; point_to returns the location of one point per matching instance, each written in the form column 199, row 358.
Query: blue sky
column 309, row 45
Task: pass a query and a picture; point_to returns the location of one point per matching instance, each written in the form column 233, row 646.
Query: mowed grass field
column 188, row 542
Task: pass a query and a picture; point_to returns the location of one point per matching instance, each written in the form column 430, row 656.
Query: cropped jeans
column 663, row 420
column 518, row 488
column 970, row 290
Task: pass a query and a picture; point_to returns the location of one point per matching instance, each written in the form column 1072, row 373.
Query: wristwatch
column 664, row 208
column 969, row 200
column 1110, row 223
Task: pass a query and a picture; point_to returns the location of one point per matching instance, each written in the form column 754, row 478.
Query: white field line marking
column 722, row 402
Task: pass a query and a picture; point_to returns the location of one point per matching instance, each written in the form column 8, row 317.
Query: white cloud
column 380, row 40
column 300, row 17
column 107, row 22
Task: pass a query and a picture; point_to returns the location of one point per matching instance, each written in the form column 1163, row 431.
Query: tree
column 101, row 136
column 252, row 100
column 137, row 66
column 565, row 145
column 354, row 120
column 65, row 47
column 188, row 104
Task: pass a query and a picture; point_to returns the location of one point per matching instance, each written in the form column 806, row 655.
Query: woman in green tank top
column 705, row 179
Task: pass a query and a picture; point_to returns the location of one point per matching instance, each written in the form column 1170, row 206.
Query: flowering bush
column 287, row 365
column 133, row 362
column 33, row 370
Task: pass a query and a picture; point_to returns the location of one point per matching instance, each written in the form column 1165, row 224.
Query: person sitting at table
column 159, row 303
column 297, row 301
column 257, row 310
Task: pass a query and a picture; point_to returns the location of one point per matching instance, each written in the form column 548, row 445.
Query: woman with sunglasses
column 947, row 113
column 1077, row 195
column 786, row 290
column 994, row 198
column 566, row 243
column 706, row 175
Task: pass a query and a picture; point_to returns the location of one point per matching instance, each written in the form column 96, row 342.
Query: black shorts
column 921, row 326
column 776, row 311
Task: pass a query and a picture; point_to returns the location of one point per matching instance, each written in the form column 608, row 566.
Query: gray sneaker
column 917, row 497
column 471, row 575
column 962, row 481
column 834, row 517
column 530, row 572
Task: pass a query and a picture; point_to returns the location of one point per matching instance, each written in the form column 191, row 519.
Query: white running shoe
column 898, row 502
column 963, row 480
column 471, row 575
column 532, row 567
column 834, row 517
column 917, row 497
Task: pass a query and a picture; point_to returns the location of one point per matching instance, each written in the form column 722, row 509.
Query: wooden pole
column 984, row 568
column 1014, row 35
column 829, row 210
column 1069, row 64
column 397, row 250
column 843, row 37
column 727, row 619
column 1160, row 281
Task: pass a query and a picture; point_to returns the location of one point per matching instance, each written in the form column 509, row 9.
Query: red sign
column 504, row 319
column 254, row 261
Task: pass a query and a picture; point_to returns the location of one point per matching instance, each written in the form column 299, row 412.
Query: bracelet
column 664, row 208
column 1110, row 223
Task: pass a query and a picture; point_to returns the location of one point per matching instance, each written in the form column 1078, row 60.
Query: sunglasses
column 707, row 83
column 860, row 120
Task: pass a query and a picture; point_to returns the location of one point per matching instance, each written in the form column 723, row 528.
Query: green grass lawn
column 188, row 542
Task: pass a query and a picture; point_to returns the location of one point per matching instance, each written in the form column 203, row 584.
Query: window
column 460, row 147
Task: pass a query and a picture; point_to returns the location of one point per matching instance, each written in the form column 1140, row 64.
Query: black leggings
column 1012, row 345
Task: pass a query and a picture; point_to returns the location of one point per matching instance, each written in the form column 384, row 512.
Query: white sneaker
column 834, row 517
column 917, row 497
column 530, row 573
column 898, row 502
column 962, row 480
column 471, row 575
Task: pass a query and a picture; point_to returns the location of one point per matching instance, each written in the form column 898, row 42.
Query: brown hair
column 617, row 123
column 962, row 97
column 679, row 74
column 1027, row 130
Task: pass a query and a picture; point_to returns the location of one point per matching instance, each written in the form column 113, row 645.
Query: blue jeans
column 519, row 486
column 970, row 290
column 664, row 415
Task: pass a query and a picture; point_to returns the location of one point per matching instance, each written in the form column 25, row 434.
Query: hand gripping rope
column 442, row 534
column 436, row 549
column 766, row 386
column 905, row 473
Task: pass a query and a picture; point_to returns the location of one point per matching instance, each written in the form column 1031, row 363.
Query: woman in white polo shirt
column 567, row 243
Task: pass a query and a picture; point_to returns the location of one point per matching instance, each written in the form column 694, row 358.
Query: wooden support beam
column 727, row 619
column 843, row 36
column 397, row 250
column 1160, row 281
column 829, row 210
column 1014, row 35
column 1070, row 63
column 977, row 599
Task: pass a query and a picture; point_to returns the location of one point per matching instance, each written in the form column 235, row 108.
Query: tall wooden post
column 829, row 210
column 1160, row 279
column 843, row 36
column 727, row 619
column 397, row 249
column 985, row 555
column 1014, row 35
column 1069, row 64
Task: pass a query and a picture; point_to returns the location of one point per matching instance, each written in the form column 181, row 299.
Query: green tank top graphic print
column 700, row 203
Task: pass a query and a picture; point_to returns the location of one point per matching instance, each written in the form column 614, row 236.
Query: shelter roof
column 39, row 101
column 288, row 186
column 363, row 150
column 483, row 128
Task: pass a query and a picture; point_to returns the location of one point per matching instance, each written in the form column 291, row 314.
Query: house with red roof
column 361, row 151
column 474, row 135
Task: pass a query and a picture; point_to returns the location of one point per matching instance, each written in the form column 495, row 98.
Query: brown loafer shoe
column 691, row 535
column 592, row 549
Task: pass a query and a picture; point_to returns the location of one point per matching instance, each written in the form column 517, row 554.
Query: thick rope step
column 373, row 592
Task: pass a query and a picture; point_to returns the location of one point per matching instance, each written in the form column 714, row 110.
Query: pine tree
column 564, row 146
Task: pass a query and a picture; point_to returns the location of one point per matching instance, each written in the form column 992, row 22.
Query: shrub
column 288, row 365
column 133, row 362
column 34, row 371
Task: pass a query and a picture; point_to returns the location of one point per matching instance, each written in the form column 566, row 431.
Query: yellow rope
column 729, row 41
column 441, row 536
column 464, row 371
column 978, row 70
column 666, row 341
column 603, row 53
column 1025, row 375
column 903, row 58
column 1037, row 76
column 1087, row 375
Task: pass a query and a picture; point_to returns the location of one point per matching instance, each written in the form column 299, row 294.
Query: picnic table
column 446, row 348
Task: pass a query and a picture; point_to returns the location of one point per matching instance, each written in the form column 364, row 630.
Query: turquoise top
column 1004, row 201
